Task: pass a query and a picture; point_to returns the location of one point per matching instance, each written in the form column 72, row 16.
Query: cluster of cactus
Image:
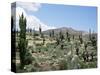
column 92, row 38
column 29, row 30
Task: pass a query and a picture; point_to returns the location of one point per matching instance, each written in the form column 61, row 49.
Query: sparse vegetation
column 37, row 52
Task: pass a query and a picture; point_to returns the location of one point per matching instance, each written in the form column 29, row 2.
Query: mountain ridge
column 64, row 30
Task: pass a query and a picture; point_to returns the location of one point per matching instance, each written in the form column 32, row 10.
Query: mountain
column 70, row 31
column 64, row 30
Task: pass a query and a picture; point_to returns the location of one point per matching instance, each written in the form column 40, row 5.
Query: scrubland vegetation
column 37, row 51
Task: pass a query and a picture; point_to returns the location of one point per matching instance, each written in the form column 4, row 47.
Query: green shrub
column 36, row 34
column 92, row 64
column 28, row 58
column 83, row 65
column 29, row 68
column 63, row 64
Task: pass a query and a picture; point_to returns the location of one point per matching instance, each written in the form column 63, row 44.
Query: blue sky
column 77, row 17
column 57, row 15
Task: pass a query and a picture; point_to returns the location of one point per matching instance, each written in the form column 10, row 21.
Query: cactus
column 67, row 34
column 50, row 34
column 62, row 46
column 85, row 46
column 89, row 34
column 77, row 51
column 23, row 42
column 73, row 37
column 68, row 39
column 53, row 33
column 57, row 41
column 40, row 30
column 80, row 38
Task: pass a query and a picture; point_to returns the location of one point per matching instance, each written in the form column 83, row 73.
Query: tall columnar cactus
column 89, row 34
column 22, row 40
column 52, row 33
column 68, row 39
column 80, row 38
column 93, row 39
column 22, row 25
column 43, row 41
column 57, row 41
column 77, row 51
column 85, row 46
column 40, row 30
column 62, row 46
column 30, row 31
column 73, row 37
column 67, row 34
column 34, row 33
column 42, row 36
column 61, row 35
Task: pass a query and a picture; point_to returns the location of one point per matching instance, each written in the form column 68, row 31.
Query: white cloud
column 32, row 21
column 29, row 6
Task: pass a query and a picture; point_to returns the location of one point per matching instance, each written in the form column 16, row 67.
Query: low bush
column 63, row 65
column 28, row 58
